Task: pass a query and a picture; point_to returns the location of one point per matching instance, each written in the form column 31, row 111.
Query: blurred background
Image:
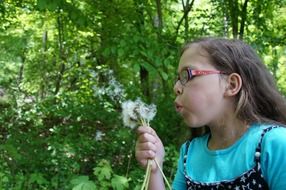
column 67, row 65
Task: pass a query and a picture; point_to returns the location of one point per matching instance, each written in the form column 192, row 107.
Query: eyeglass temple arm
column 204, row 72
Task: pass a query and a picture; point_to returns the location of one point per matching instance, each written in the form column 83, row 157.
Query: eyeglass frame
column 195, row 72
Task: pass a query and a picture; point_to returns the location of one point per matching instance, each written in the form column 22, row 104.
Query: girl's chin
column 189, row 122
column 192, row 123
column 190, row 119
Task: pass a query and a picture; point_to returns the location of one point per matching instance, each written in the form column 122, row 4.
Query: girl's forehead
column 194, row 57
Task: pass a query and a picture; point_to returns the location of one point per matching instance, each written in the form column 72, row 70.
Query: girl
column 223, row 87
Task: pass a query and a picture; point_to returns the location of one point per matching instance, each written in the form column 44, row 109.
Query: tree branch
column 187, row 8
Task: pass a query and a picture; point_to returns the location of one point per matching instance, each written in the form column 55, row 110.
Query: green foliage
column 119, row 182
column 83, row 183
column 66, row 66
column 105, row 179
column 103, row 170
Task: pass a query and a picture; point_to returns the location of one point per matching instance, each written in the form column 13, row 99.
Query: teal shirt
column 204, row 165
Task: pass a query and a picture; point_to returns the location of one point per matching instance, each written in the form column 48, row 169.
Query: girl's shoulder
column 257, row 131
column 272, row 136
column 269, row 131
column 274, row 133
column 273, row 151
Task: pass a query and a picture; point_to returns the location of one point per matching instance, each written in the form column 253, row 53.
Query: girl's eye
column 184, row 77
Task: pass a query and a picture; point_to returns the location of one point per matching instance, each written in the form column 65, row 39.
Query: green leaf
column 149, row 68
column 120, row 51
column 4, row 178
column 136, row 67
column 164, row 75
column 83, row 183
column 38, row 179
column 41, row 4
column 88, row 185
column 119, row 182
column 103, row 170
column 11, row 150
column 79, row 179
column 48, row 4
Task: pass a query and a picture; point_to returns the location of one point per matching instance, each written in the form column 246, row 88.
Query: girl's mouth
column 178, row 107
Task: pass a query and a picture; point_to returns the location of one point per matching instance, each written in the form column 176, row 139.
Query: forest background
column 67, row 65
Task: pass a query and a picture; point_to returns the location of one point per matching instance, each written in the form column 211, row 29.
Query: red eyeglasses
column 187, row 74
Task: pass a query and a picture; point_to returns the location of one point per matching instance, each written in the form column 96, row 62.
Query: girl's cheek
column 194, row 100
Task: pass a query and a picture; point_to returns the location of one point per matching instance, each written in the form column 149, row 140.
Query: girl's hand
column 149, row 146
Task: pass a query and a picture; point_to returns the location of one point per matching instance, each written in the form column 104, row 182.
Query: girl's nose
column 178, row 88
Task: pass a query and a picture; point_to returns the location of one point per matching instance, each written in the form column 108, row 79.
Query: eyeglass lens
column 184, row 76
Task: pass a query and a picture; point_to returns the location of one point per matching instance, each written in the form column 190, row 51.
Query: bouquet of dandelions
column 138, row 113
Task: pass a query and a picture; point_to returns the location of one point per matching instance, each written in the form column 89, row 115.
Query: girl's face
column 201, row 100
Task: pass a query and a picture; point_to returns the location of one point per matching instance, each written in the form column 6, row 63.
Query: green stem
column 146, row 178
column 149, row 166
column 148, row 174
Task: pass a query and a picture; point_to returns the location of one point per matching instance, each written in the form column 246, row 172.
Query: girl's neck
column 223, row 136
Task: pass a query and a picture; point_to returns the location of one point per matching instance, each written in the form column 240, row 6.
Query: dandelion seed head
column 134, row 111
column 128, row 113
column 152, row 110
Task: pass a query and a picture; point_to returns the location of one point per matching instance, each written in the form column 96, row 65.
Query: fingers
column 145, row 150
column 143, row 156
column 144, row 129
column 146, row 145
column 146, row 137
column 149, row 147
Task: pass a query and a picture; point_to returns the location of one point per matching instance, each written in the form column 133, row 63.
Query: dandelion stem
column 148, row 169
column 143, row 122
column 147, row 176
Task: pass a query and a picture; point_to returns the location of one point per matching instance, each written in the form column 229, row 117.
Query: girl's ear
column 234, row 84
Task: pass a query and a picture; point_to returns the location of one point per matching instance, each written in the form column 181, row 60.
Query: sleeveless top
column 251, row 179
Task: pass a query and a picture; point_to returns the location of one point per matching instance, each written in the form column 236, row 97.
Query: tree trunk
column 233, row 12
column 61, row 54
column 159, row 17
column 43, row 83
column 275, row 63
column 21, row 71
column 144, row 75
column 243, row 19
column 225, row 21
column 186, row 20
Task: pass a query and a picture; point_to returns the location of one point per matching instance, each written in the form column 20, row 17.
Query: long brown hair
column 259, row 99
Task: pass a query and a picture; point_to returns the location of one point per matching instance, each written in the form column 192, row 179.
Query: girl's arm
column 149, row 146
column 156, row 181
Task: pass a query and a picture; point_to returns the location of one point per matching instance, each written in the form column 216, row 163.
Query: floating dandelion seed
column 99, row 135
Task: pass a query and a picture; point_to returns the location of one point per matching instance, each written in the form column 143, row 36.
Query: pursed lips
column 178, row 107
